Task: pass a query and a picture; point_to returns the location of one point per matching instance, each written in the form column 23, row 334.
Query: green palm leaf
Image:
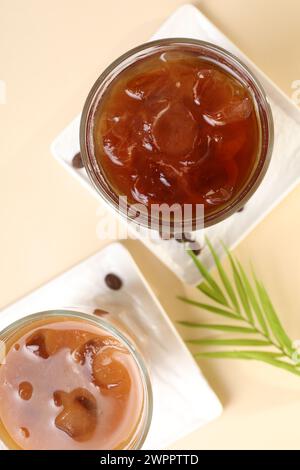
column 268, row 357
column 253, row 301
column 209, row 292
column 251, row 307
column 240, row 287
column 224, row 277
column 251, row 355
column 230, row 342
column 209, row 308
column 273, row 319
column 215, row 289
column 211, row 326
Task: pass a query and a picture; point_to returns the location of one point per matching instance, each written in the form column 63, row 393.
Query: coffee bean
column 77, row 161
column 100, row 313
column 113, row 281
column 195, row 247
column 241, row 209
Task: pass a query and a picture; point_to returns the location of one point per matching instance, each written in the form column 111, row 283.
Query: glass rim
column 142, row 428
column 262, row 104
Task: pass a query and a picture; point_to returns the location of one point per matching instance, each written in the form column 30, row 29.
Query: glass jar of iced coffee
column 72, row 381
column 177, row 121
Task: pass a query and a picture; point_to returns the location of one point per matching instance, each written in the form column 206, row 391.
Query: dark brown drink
column 177, row 121
column 176, row 128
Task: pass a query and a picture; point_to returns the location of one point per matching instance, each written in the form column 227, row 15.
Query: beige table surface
column 50, row 54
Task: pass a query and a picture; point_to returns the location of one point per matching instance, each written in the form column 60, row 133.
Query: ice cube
column 79, row 416
column 47, row 341
column 175, row 130
column 218, row 196
column 111, row 376
column 150, row 85
column 222, row 99
column 155, row 184
column 88, row 350
column 228, row 145
column 122, row 139
column 36, row 343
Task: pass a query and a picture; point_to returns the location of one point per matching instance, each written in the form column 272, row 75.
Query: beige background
column 50, row 54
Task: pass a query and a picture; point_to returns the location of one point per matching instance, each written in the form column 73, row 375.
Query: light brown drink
column 69, row 384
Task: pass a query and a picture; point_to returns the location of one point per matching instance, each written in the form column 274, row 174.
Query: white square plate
column 183, row 401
